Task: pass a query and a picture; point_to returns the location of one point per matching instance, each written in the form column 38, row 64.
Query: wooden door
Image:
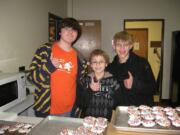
column 140, row 41
column 90, row 38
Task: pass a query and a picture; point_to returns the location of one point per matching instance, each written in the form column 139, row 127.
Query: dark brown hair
column 71, row 23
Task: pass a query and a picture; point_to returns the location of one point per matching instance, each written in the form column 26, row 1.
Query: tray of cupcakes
column 53, row 125
column 147, row 119
column 14, row 128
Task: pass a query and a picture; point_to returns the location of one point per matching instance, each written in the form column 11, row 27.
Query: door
column 175, row 72
column 140, row 41
column 90, row 38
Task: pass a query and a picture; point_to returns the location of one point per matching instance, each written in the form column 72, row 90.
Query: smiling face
column 68, row 35
column 69, row 30
column 122, row 44
column 98, row 64
column 122, row 49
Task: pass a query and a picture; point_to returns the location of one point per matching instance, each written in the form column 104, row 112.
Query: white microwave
column 12, row 89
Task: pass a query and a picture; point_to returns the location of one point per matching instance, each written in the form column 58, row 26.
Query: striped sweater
column 39, row 74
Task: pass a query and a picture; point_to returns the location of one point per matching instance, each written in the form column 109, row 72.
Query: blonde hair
column 123, row 35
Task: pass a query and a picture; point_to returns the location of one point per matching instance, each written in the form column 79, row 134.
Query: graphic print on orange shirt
column 63, row 81
column 65, row 66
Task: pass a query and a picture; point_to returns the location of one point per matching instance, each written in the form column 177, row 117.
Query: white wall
column 24, row 25
column 113, row 12
column 23, row 28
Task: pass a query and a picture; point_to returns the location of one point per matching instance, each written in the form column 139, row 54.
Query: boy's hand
column 54, row 61
column 128, row 82
column 95, row 86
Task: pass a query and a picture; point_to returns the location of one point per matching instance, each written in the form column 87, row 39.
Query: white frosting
column 134, row 122
column 2, row 131
column 176, row 123
column 148, row 123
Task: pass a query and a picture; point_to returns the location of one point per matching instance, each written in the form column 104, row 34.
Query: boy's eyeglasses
column 97, row 62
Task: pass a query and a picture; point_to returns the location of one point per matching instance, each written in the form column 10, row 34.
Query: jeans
column 67, row 114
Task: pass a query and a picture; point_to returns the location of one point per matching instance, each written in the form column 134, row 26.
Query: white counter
column 14, row 113
column 21, row 107
column 6, row 116
column 25, row 119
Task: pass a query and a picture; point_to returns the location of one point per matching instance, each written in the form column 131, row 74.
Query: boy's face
column 122, row 49
column 68, row 35
column 98, row 64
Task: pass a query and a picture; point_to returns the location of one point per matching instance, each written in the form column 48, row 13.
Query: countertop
column 6, row 116
column 12, row 114
column 19, row 108
column 36, row 120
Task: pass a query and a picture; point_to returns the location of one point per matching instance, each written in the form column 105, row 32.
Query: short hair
column 99, row 52
column 123, row 35
column 71, row 23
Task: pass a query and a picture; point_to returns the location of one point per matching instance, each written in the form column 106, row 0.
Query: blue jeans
column 67, row 114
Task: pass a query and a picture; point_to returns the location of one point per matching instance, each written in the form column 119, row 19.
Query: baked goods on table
column 15, row 128
column 148, row 123
column 91, row 126
column 67, row 132
column 165, row 122
column 89, row 121
column 134, row 122
column 178, row 109
column 146, row 116
column 176, row 122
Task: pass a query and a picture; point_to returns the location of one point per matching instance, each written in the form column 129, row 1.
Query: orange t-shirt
column 63, row 81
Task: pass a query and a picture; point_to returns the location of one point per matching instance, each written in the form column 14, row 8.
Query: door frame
column 162, row 42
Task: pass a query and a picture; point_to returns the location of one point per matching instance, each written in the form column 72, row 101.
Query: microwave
column 12, row 89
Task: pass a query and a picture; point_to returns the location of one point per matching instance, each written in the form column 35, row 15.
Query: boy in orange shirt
column 54, row 71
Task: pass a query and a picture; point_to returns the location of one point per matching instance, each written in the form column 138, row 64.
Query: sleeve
column 117, row 93
column 41, row 66
column 81, row 76
column 145, row 82
column 86, row 93
column 82, row 72
column 82, row 98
